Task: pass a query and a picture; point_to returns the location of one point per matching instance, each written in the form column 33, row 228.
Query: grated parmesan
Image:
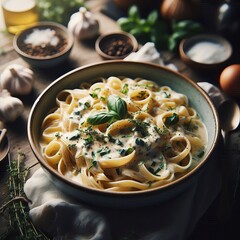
column 42, row 38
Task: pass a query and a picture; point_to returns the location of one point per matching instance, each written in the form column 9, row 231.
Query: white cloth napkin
column 148, row 53
column 63, row 217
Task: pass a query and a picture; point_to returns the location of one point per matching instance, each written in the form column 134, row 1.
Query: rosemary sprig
column 20, row 223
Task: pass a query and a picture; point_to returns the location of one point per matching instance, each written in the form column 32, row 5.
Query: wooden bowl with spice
column 205, row 52
column 116, row 45
column 44, row 45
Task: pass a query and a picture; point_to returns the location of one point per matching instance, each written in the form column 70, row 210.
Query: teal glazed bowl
column 197, row 97
column 38, row 60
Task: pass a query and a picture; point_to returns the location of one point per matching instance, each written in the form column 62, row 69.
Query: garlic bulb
column 10, row 107
column 18, row 80
column 83, row 25
column 178, row 9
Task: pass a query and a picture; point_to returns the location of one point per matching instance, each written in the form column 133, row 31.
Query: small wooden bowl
column 116, row 45
column 202, row 63
column 44, row 61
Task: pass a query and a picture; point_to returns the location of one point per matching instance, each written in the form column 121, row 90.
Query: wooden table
column 82, row 54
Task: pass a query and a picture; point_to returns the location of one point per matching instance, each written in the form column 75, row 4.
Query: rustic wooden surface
column 83, row 53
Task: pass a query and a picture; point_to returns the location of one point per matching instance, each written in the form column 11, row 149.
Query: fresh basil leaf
column 152, row 17
column 175, row 39
column 133, row 12
column 117, row 105
column 126, row 24
column 100, row 118
column 185, row 25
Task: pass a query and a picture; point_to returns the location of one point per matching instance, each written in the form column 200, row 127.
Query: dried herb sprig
column 17, row 206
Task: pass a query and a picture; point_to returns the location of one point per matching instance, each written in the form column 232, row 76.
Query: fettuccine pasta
column 123, row 134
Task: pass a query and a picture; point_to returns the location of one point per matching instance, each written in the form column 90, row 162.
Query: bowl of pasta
column 123, row 134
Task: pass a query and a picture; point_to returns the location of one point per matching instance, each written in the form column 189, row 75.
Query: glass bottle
column 228, row 21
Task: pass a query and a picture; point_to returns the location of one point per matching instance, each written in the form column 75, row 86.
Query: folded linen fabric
column 62, row 217
column 148, row 53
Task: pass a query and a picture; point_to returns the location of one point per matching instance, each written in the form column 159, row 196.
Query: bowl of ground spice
column 45, row 44
column 116, row 45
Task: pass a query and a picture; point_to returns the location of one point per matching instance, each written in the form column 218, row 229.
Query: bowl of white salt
column 205, row 52
column 44, row 45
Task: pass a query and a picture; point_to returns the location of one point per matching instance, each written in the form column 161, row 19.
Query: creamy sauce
column 151, row 137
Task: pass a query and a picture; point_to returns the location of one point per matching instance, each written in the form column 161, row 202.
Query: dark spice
column 117, row 47
column 46, row 49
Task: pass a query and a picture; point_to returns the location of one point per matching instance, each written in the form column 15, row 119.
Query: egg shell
column 230, row 80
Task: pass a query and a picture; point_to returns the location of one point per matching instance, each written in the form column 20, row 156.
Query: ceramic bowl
column 163, row 76
column 4, row 147
column 39, row 60
column 205, row 52
column 116, row 45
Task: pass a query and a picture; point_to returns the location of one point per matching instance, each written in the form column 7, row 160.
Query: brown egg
column 230, row 80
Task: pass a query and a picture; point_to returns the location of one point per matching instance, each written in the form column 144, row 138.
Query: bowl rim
column 4, row 148
column 117, row 33
column 53, row 25
column 186, row 43
column 126, row 194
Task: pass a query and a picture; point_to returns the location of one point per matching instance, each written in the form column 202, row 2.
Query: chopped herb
column 153, row 164
column 72, row 146
column 75, row 137
column 118, row 142
column 93, row 95
column 157, row 129
column 94, row 164
column 140, row 142
column 167, row 95
column 190, row 126
column 142, row 95
column 150, row 183
column 104, row 151
column 88, row 140
column 125, row 88
column 141, row 127
column 58, row 135
column 77, row 112
column 151, row 170
column 200, row 154
column 171, row 120
column 86, row 105
column 111, row 139
column 125, row 152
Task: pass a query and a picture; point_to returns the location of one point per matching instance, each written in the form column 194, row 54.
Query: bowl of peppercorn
column 44, row 45
column 116, row 45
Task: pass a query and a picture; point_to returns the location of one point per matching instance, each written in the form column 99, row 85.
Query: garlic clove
column 10, row 107
column 83, row 25
column 18, row 80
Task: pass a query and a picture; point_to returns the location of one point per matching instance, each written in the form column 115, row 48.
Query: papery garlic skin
column 10, row 107
column 17, row 79
column 83, row 25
